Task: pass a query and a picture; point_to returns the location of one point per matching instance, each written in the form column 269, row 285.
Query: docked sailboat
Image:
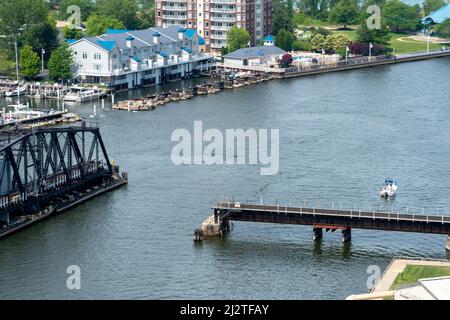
column 389, row 189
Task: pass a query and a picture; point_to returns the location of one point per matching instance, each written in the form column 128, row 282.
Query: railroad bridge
column 48, row 170
column 329, row 219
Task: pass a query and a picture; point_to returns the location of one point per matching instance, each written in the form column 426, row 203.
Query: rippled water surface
column 341, row 134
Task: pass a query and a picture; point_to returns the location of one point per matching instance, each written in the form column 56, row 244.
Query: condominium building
column 213, row 18
column 125, row 59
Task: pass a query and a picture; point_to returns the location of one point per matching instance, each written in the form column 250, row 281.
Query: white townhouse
column 124, row 59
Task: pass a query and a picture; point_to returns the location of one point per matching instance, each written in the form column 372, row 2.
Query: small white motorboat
column 389, row 189
column 18, row 91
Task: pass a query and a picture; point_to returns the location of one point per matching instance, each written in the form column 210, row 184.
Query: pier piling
column 318, row 234
column 346, row 235
column 447, row 246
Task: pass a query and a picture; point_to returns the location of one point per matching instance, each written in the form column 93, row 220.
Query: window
column 97, row 56
column 84, row 55
column 97, row 66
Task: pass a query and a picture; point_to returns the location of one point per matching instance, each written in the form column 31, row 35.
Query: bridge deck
column 392, row 221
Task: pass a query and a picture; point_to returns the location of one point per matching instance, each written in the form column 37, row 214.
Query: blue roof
column 438, row 16
column 115, row 31
column 268, row 38
column 164, row 54
column 70, row 41
column 156, row 34
column 188, row 50
column 192, row 32
column 129, row 38
column 181, row 30
column 136, row 59
column 107, row 45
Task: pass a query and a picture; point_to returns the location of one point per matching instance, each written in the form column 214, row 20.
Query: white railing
column 352, row 213
column 174, row 8
column 222, row 1
column 218, row 36
column 222, row 18
column 251, row 68
column 222, row 10
column 219, row 28
column 174, row 17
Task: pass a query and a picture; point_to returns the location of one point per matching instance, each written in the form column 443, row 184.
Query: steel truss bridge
column 40, row 167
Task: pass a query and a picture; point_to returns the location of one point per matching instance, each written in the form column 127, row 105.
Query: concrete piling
column 447, row 245
column 346, row 234
column 317, row 234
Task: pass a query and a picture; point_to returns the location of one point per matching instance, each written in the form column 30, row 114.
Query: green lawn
column 406, row 46
column 412, row 273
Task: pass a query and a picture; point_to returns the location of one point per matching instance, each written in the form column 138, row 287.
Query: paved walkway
column 397, row 266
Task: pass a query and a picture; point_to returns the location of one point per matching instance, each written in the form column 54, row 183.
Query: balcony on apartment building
column 223, row 1
column 222, row 10
column 223, row 18
column 218, row 44
column 219, row 28
column 174, row 7
column 174, row 17
column 218, row 36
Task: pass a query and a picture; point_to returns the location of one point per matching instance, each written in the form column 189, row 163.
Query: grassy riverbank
column 400, row 42
column 412, row 273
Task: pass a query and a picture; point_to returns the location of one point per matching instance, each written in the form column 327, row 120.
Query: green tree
column 29, row 62
column 123, row 10
column 43, row 35
column 60, row 63
column 344, row 12
column 430, row 6
column 314, row 8
column 283, row 16
column 97, row 24
column 17, row 17
column 302, row 45
column 146, row 14
column 401, row 17
column 443, row 29
column 337, row 41
column 237, row 38
column 86, row 8
column 284, row 40
column 379, row 36
column 72, row 33
column 318, row 42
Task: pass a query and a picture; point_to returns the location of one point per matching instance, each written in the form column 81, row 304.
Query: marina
column 232, row 77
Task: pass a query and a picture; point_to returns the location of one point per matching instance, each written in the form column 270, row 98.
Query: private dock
column 322, row 218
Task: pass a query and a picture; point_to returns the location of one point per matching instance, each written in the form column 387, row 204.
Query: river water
column 341, row 134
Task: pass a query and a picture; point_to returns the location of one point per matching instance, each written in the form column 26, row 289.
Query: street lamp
column 17, row 61
column 42, row 58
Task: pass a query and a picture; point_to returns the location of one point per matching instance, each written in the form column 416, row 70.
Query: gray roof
column 142, row 38
column 255, row 52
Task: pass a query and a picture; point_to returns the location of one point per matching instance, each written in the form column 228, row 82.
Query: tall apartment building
column 213, row 18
